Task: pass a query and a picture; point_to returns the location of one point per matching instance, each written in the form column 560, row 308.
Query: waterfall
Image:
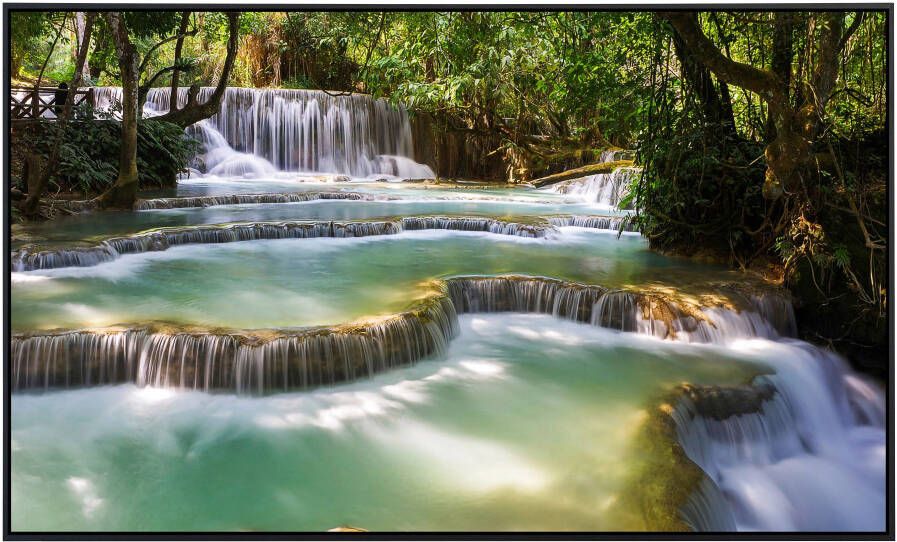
column 26, row 259
column 706, row 510
column 29, row 259
column 800, row 448
column 614, row 223
column 603, row 188
column 524, row 294
column 244, row 199
column 490, row 225
column 259, row 132
column 213, row 360
column 247, row 362
column 810, row 458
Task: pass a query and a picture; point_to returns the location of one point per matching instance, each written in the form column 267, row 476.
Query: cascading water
column 157, row 240
column 259, row 132
column 810, row 458
column 222, row 360
column 607, row 189
column 805, row 451
column 244, row 199
column 615, row 223
column 250, row 362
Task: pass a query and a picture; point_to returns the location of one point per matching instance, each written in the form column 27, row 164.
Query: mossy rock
column 664, row 477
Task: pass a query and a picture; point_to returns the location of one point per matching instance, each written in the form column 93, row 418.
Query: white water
column 605, row 189
column 260, row 132
column 812, row 459
column 525, row 424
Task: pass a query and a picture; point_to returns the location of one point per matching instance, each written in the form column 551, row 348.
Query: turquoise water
column 299, row 282
column 526, row 425
column 506, row 203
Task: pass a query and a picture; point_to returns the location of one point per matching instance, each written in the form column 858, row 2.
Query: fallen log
column 584, row 171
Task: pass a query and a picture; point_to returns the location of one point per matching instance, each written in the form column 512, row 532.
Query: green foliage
column 148, row 24
column 539, row 73
column 26, row 29
column 31, row 37
column 88, row 157
column 697, row 195
column 827, row 236
column 163, row 151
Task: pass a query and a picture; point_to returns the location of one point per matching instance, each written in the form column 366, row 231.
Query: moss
column 663, row 477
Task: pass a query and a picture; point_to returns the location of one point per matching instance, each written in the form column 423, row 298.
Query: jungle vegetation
column 762, row 135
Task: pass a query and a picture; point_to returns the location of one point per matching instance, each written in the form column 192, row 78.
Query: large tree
column 795, row 120
column 123, row 192
column 819, row 217
column 40, row 177
column 194, row 111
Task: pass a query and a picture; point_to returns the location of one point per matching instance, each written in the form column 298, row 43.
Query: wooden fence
column 40, row 103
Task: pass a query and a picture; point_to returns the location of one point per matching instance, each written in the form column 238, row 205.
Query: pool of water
column 526, row 425
column 299, row 282
column 286, row 182
column 506, row 203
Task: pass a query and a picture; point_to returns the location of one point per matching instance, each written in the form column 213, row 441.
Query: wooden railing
column 40, row 103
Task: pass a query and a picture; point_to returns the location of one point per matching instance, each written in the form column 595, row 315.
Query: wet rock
column 721, row 402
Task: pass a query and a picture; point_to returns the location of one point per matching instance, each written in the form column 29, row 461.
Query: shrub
column 89, row 154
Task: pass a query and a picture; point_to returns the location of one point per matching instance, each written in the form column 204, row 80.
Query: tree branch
column 762, row 82
column 52, row 48
column 194, row 112
column 175, row 76
column 857, row 21
column 144, row 89
column 169, row 39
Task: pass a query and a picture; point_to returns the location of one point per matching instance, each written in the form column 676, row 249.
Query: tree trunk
column 727, row 114
column 39, row 179
column 83, row 38
column 34, row 182
column 124, row 191
column 175, row 75
column 98, row 67
column 782, row 54
column 43, row 67
column 715, row 110
column 584, row 171
column 795, row 127
column 193, row 111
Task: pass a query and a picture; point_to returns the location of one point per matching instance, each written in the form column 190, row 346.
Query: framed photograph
column 448, row 271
